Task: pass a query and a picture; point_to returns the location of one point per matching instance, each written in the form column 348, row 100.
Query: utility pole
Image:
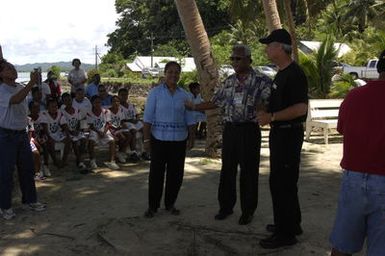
column 152, row 49
column 96, row 57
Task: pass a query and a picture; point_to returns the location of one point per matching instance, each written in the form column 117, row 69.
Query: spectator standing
column 77, row 77
column 200, row 116
column 168, row 128
column 15, row 148
column 285, row 114
column 360, row 212
column 240, row 96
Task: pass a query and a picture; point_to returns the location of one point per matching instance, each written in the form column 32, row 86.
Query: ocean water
column 23, row 77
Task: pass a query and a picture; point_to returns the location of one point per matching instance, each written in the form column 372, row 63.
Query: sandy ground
column 102, row 213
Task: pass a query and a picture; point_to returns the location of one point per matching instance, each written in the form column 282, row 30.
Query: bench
column 322, row 113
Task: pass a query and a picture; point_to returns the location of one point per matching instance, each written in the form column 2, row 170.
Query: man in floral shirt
column 240, row 96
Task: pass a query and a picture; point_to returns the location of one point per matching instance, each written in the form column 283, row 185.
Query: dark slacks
column 241, row 145
column 15, row 150
column 166, row 157
column 285, row 154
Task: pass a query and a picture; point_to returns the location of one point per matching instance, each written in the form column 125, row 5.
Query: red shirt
column 362, row 123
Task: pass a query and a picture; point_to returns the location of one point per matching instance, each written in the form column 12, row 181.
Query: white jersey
column 72, row 120
column 117, row 118
column 53, row 123
column 99, row 122
column 130, row 111
column 37, row 128
column 84, row 106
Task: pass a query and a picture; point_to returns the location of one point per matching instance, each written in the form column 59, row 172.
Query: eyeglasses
column 232, row 58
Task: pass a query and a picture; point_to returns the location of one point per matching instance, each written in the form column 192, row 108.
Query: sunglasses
column 235, row 58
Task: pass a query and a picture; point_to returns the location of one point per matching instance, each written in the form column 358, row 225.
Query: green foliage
column 340, row 88
column 186, row 78
column 91, row 73
column 144, row 21
column 318, row 68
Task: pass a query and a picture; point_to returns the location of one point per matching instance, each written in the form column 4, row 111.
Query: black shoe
column 149, row 213
column 276, row 241
column 134, row 158
column 272, row 228
column 223, row 215
column 173, row 210
column 146, row 156
column 245, row 219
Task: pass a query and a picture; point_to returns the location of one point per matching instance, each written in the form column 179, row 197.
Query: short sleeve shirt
column 72, row 120
column 99, row 121
column 167, row 113
column 53, row 123
column 77, row 76
column 289, row 88
column 240, row 100
column 12, row 116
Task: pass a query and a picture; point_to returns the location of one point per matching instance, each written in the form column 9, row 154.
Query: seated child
column 134, row 125
column 99, row 122
column 70, row 122
column 51, row 124
column 119, row 128
column 39, row 138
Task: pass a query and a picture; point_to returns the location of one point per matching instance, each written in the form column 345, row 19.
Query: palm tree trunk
column 291, row 25
column 273, row 21
column 206, row 67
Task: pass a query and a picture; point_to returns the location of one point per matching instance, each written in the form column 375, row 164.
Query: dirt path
column 101, row 214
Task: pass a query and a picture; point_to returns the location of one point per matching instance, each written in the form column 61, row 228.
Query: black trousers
column 166, row 157
column 241, row 145
column 285, row 155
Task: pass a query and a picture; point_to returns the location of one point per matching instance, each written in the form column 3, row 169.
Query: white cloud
column 52, row 30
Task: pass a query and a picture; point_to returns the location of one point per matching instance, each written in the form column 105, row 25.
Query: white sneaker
column 7, row 214
column 37, row 207
column 121, row 157
column 46, row 171
column 112, row 165
column 93, row 164
column 82, row 166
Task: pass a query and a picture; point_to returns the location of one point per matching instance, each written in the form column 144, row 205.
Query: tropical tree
column 273, row 21
column 204, row 61
column 319, row 68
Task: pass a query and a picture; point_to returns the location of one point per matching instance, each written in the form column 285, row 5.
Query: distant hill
column 64, row 66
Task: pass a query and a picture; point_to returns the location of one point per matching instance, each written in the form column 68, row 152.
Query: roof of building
column 313, row 46
column 141, row 62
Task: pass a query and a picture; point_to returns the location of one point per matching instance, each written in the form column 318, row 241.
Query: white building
column 308, row 47
column 141, row 62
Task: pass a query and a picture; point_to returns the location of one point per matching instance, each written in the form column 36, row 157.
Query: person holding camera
column 15, row 148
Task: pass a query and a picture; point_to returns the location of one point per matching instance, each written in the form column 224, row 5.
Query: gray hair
column 287, row 48
column 245, row 48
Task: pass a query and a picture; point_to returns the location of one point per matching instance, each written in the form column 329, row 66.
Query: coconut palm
column 207, row 70
column 273, row 21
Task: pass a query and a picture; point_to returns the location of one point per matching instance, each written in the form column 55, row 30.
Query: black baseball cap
column 381, row 63
column 278, row 35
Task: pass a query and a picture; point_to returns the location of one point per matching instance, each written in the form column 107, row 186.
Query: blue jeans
column 360, row 214
column 15, row 150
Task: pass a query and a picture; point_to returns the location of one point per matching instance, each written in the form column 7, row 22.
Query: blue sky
column 51, row 30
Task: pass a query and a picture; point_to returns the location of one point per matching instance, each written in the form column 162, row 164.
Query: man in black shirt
column 286, row 114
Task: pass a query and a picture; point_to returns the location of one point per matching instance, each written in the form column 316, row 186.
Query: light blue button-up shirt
column 167, row 114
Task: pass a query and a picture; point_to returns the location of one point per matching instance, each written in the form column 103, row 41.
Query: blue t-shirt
column 167, row 114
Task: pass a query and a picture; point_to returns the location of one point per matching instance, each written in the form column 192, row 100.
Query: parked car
column 269, row 71
column 368, row 72
column 150, row 72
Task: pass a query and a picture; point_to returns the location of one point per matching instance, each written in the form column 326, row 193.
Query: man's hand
column 189, row 105
column 264, row 118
